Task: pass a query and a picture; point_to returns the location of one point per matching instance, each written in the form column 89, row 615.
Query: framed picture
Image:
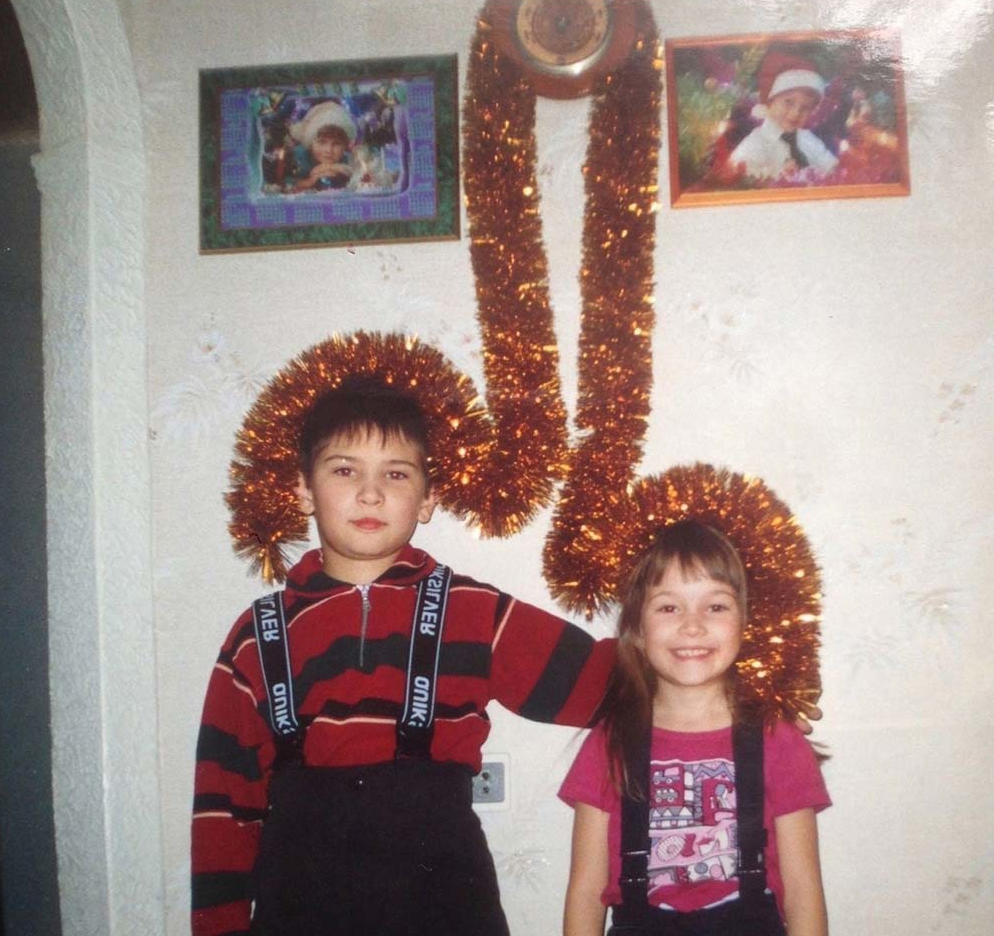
column 329, row 153
column 782, row 117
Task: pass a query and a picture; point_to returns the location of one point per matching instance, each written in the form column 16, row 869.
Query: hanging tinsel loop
column 495, row 466
column 265, row 516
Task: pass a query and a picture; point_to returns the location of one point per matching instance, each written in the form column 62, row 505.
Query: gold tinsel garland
column 520, row 355
column 604, row 516
column 778, row 663
column 265, row 516
column 617, row 319
column 494, row 467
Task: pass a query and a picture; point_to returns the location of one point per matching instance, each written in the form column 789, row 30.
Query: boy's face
column 791, row 109
column 367, row 495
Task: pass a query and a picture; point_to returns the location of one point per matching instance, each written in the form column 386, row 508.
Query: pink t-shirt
column 692, row 822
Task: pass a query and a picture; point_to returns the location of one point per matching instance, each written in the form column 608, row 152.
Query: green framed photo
column 329, row 154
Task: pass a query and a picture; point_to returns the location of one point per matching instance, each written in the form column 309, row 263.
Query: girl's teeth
column 690, row 653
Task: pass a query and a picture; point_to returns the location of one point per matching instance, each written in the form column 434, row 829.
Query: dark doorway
column 29, row 900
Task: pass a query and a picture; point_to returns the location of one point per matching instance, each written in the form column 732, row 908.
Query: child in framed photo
column 342, row 144
column 790, row 90
column 784, row 117
column 321, row 156
column 329, row 153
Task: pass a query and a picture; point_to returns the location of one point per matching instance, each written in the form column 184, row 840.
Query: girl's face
column 327, row 149
column 691, row 628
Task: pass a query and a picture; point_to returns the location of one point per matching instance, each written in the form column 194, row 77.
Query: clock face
column 563, row 36
column 565, row 47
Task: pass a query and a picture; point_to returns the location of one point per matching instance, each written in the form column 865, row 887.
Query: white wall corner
column 102, row 663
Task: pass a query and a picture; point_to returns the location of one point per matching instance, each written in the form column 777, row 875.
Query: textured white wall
column 837, row 349
column 841, row 350
column 91, row 178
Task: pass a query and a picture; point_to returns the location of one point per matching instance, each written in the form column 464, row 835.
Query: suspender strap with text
column 269, row 619
column 416, row 726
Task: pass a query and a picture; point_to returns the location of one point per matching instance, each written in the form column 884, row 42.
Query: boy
column 790, row 89
column 366, row 827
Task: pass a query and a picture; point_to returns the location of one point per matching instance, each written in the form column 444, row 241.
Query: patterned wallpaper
column 838, row 349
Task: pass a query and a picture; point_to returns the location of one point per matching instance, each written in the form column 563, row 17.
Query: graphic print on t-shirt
column 692, row 828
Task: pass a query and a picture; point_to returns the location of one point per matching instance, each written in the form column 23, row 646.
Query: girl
column 672, row 836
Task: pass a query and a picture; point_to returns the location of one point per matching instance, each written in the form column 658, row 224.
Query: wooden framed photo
column 329, row 153
column 783, row 117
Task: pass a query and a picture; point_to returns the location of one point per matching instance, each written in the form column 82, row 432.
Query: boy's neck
column 354, row 571
column 691, row 708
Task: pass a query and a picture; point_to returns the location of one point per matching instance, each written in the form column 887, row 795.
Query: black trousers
column 383, row 850
column 728, row 919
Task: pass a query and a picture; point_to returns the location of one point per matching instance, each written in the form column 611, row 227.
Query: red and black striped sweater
column 493, row 647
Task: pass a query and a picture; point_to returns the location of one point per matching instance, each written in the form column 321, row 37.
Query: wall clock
column 564, row 46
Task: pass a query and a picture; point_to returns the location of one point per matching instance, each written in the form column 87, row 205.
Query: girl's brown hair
column 701, row 551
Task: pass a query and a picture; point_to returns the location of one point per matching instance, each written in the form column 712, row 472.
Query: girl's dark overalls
column 754, row 912
column 389, row 849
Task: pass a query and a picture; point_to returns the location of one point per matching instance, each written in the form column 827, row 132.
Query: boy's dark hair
column 360, row 405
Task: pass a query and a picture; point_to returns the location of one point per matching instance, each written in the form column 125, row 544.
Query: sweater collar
column 308, row 575
column 773, row 131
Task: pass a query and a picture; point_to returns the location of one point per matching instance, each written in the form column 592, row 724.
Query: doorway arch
column 90, row 172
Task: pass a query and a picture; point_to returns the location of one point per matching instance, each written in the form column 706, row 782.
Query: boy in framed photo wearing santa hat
column 790, row 90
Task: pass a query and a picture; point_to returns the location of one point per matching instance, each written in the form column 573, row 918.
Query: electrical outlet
column 490, row 784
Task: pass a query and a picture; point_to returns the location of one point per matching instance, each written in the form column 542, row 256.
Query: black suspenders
column 635, row 844
column 747, row 750
column 416, row 724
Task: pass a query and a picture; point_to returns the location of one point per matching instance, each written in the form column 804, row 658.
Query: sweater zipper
column 366, row 605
